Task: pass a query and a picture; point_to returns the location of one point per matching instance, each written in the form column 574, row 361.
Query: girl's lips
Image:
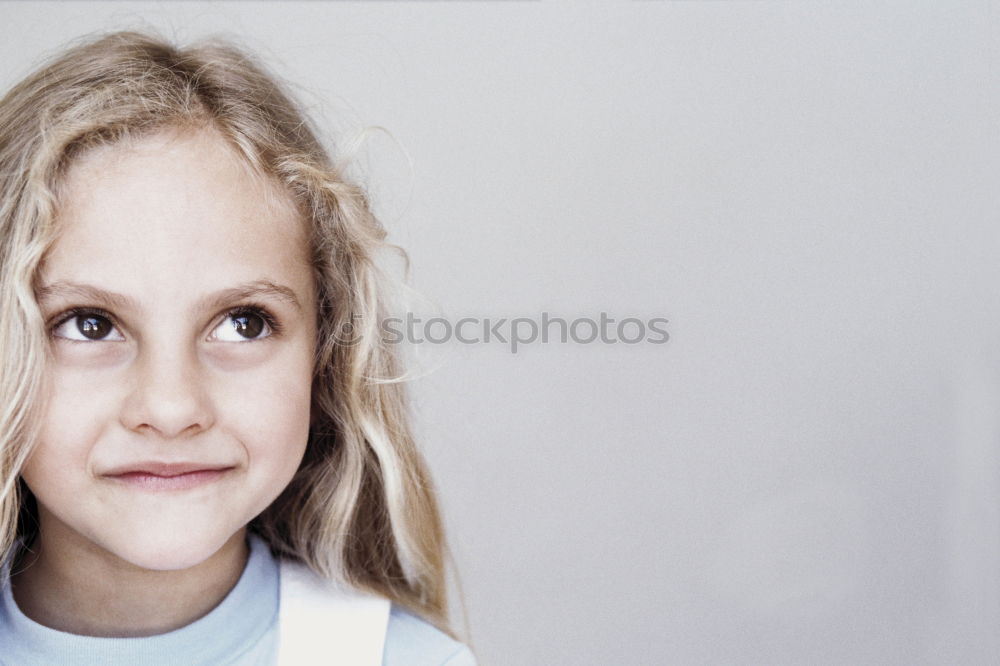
column 149, row 481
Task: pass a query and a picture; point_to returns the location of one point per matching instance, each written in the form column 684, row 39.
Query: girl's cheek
column 242, row 356
column 72, row 354
column 226, row 357
column 238, row 374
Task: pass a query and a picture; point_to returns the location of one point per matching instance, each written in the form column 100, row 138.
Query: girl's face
column 181, row 310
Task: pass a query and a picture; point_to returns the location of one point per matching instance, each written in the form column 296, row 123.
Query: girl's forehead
column 170, row 177
column 191, row 153
column 174, row 202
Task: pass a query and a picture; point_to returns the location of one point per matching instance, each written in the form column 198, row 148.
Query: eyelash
column 249, row 308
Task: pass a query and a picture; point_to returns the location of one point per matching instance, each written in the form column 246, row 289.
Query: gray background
column 808, row 471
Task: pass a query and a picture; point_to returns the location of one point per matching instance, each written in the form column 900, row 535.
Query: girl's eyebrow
column 213, row 301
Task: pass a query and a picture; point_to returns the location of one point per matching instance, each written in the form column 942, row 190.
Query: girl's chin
column 170, row 552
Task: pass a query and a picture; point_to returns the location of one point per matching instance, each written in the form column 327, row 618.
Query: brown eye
column 245, row 325
column 87, row 327
column 93, row 327
column 248, row 324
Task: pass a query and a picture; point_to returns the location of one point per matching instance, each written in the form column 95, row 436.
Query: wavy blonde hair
column 361, row 506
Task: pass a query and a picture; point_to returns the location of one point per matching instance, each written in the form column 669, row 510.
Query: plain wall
column 807, row 472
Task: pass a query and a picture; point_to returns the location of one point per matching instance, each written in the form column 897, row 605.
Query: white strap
column 320, row 622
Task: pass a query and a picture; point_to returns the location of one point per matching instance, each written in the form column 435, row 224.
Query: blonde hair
column 361, row 506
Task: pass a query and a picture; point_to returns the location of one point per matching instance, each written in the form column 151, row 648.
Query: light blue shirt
column 242, row 630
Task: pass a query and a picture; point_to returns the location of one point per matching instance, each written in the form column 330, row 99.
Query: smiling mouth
column 148, row 481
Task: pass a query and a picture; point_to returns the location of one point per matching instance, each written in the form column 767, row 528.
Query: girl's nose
column 168, row 396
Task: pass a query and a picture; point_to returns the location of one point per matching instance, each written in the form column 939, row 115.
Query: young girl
column 198, row 465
